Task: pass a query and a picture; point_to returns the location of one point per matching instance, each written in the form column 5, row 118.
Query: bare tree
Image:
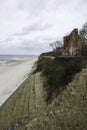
column 83, row 33
column 56, row 46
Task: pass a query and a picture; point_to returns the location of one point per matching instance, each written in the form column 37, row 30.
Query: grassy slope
column 68, row 111
column 59, row 72
column 24, row 104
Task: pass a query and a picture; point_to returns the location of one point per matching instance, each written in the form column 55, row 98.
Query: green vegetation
column 54, row 97
column 42, row 63
column 68, row 111
column 59, row 71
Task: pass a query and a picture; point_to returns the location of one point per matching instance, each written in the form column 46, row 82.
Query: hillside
column 61, row 105
column 68, row 111
column 24, row 104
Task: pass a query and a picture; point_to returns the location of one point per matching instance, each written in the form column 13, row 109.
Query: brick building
column 72, row 44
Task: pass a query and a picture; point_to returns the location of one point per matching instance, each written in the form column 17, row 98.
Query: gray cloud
column 32, row 5
column 33, row 28
column 28, row 26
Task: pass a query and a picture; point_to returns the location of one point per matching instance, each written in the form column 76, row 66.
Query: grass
column 60, row 72
column 26, row 102
column 42, row 63
column 68, row 111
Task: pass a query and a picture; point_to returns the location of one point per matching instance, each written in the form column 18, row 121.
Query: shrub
column 61, row 71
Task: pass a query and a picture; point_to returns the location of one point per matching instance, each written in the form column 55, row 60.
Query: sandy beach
column 12, row 74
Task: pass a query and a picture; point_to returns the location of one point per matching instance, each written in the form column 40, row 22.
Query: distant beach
column 14, row 69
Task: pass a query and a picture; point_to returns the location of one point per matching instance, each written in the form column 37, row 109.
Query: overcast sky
column 28, row 26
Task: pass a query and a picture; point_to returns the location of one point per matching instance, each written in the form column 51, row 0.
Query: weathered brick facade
column 72, row 44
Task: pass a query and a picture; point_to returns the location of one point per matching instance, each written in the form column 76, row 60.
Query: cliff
column 68, row 111
column 54, row 97
column 24, row 104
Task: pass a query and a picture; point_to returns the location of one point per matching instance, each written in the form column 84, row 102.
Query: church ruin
column 72, row 44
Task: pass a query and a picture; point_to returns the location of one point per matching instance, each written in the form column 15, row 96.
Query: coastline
column 12, row 75
column 27, row 108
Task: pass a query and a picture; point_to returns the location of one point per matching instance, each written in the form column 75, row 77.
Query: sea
column 7, row 58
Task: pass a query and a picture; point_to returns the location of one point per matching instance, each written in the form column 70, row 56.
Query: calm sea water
column 4, row 58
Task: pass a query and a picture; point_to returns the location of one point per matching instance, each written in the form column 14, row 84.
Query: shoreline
column 14, row 75
column 4, row 103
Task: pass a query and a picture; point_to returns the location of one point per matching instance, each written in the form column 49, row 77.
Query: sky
column 29, row 26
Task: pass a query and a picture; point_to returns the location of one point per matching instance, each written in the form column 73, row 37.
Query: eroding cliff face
column 68, row 111
column 24, row 104
column 27, row 108
column 72, row 44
